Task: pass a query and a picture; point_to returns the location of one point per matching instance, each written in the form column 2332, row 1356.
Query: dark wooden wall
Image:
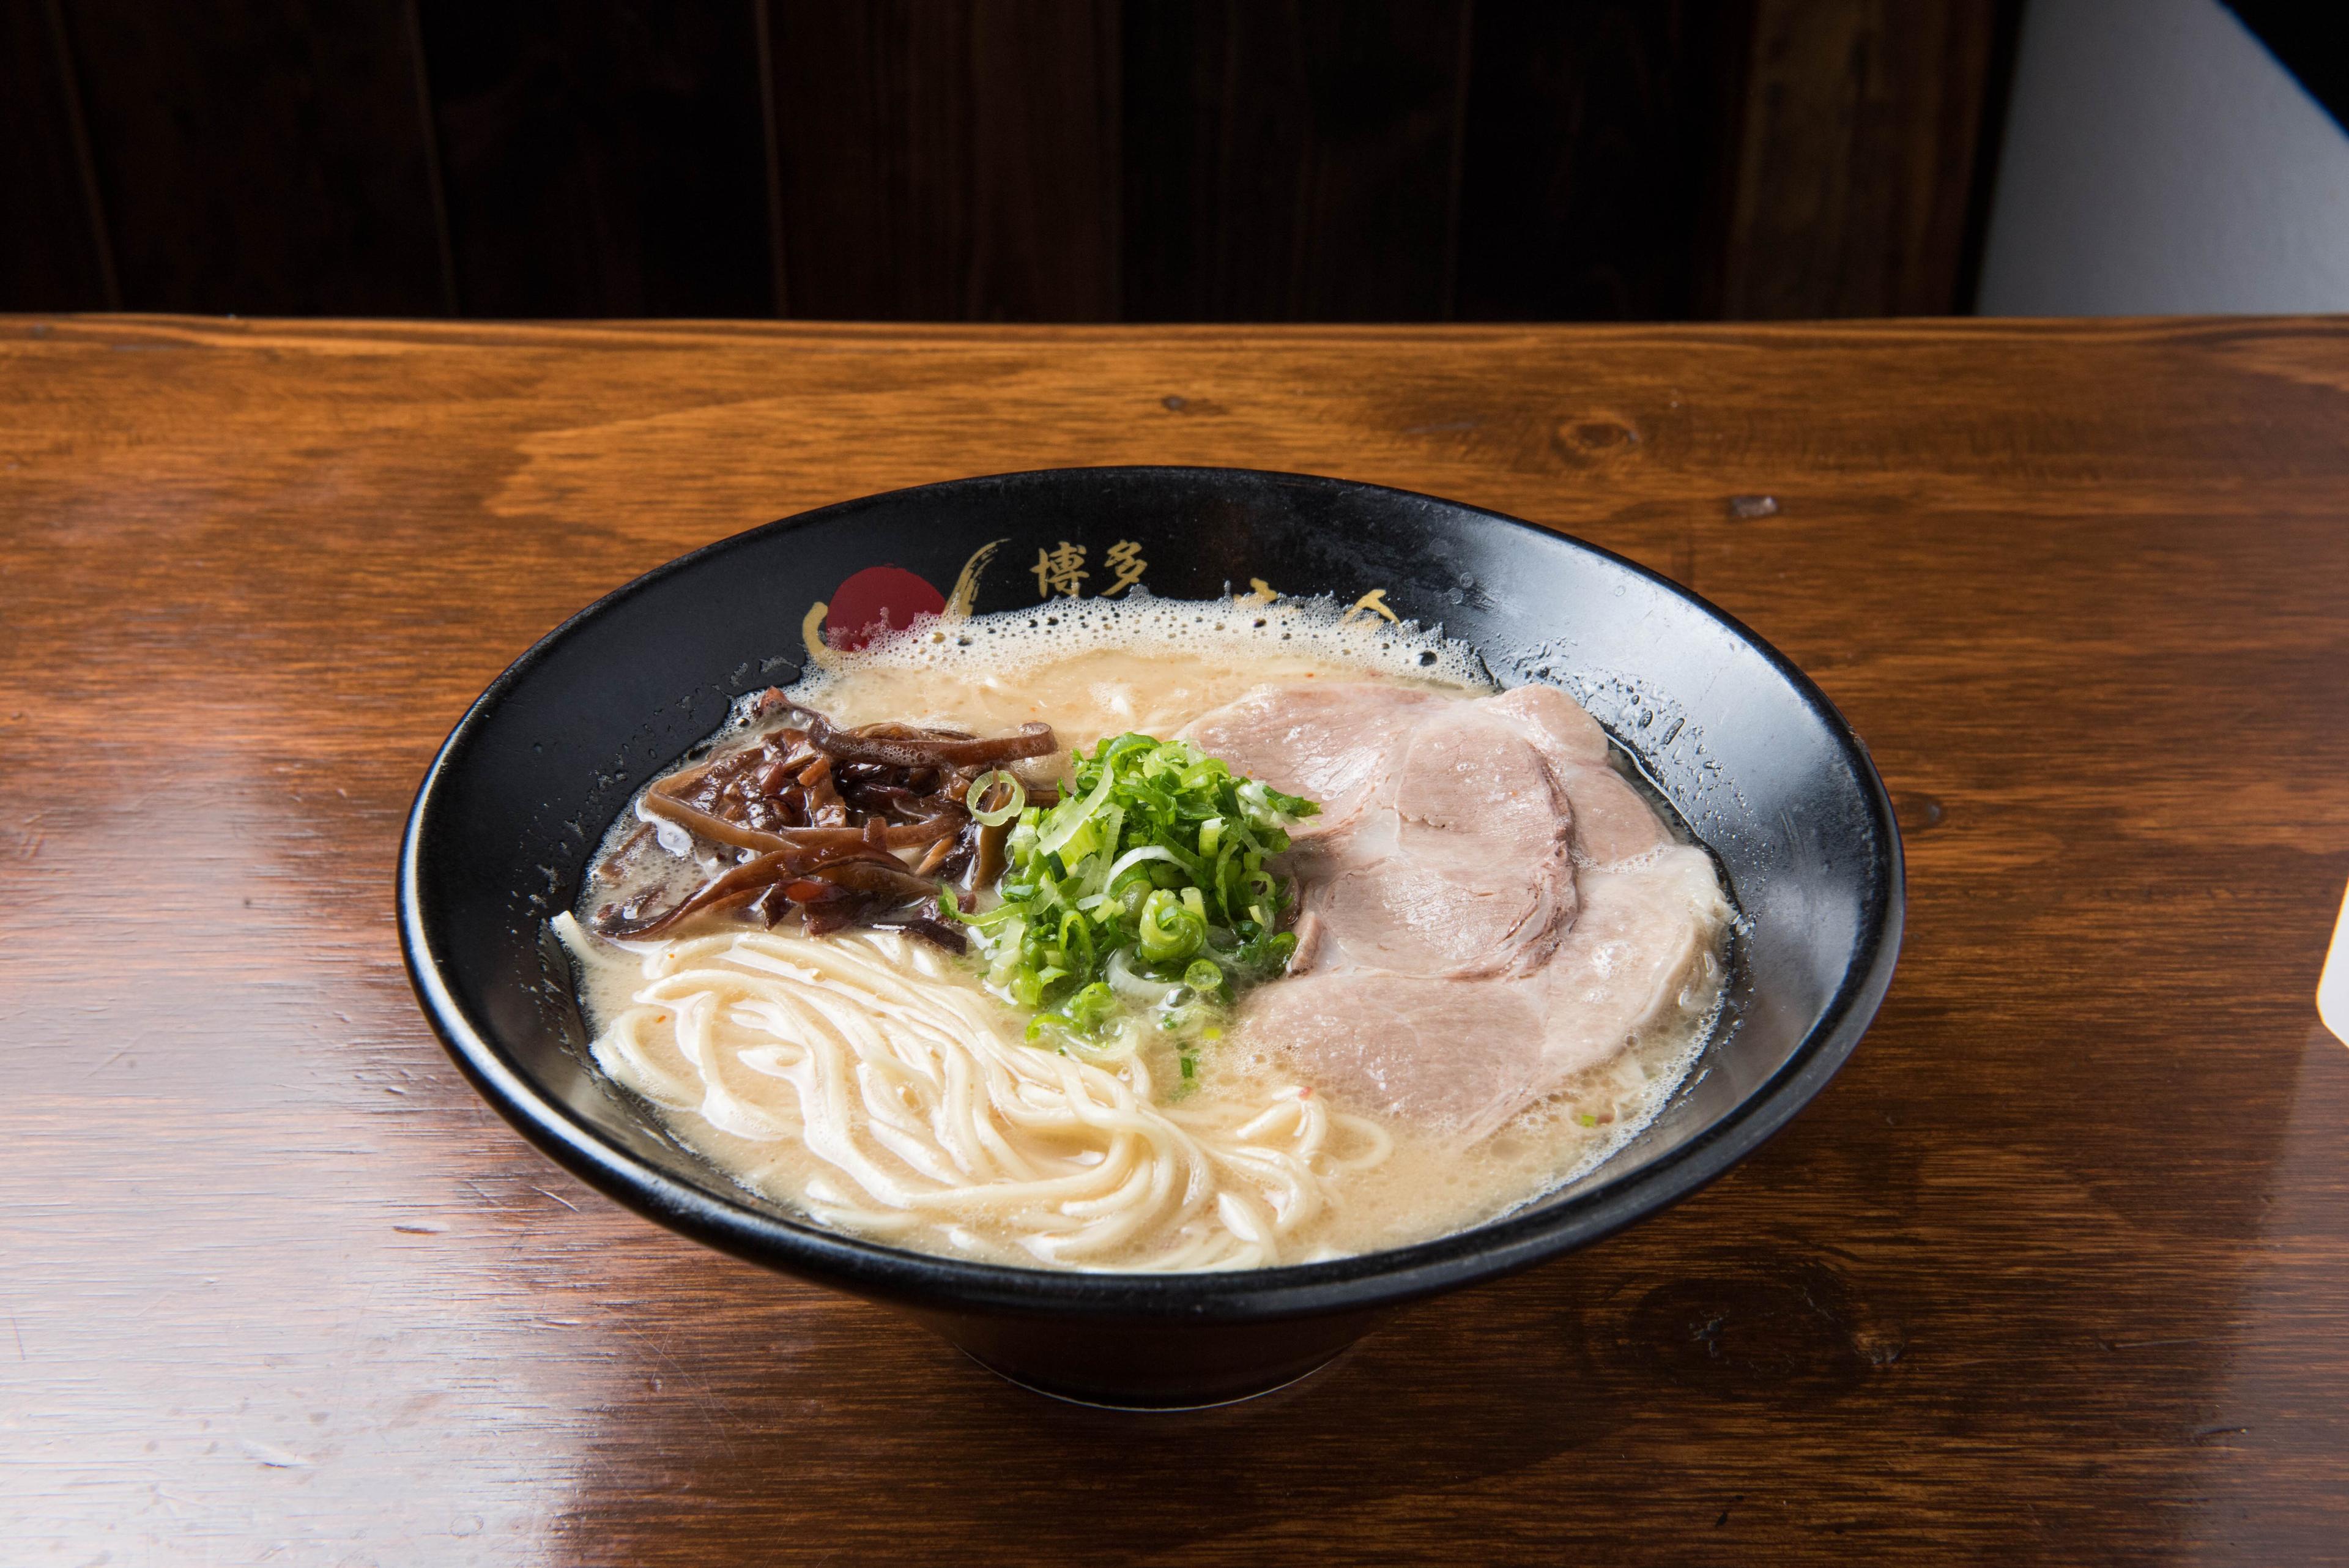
column 1000, row 159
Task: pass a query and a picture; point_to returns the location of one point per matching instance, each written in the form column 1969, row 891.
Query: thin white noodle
column 921, row 1108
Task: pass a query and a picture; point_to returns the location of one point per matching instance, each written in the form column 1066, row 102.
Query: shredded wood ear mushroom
column 822, row 821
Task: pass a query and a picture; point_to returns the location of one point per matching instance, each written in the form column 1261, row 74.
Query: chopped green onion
column 1015, row 797
column 1205, row 976
column 1132, row 857
column 1067, row 822
column 1154, row 858
column 1171, row 930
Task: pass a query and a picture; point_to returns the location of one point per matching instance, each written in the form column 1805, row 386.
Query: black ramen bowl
column 1753, row 757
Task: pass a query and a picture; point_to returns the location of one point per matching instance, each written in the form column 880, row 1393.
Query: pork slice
column 1458, row 864
column 1612, row 822
column 1307, row 950
column 1460, row 1056
column 1488, row 909
column 1457, row 1054
column 1552, row 721
column 1642, row 955
column 1328, row 741
column 1471, row 791
column 1398, row 916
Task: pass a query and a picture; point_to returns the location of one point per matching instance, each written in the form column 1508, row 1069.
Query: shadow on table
column 882, row 1433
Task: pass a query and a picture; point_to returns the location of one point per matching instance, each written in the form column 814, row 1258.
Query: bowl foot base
column 1144, row 1404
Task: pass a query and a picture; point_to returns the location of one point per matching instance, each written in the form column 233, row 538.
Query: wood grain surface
column 2057, row 1271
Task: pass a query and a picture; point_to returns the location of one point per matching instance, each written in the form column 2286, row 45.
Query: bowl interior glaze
column 1751, row 754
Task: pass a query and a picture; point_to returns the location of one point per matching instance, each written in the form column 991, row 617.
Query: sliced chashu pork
column 1458, row 864
column 1460, row 964
column 1612, row 822
column 1327, row 741
column 1443, row 848
column 1466, row 1056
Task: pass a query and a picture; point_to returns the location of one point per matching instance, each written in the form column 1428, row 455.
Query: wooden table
column 2057, row 1271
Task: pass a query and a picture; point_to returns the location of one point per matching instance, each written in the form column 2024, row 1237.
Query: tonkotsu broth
column 1092, row 670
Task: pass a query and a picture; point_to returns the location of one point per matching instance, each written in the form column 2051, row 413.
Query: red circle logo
column 875, row 602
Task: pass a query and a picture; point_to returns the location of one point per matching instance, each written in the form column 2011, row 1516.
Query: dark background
column 1001, row 159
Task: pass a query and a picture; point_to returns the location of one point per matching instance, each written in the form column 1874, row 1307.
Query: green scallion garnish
column 1004, row 789
column 1141, row 902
